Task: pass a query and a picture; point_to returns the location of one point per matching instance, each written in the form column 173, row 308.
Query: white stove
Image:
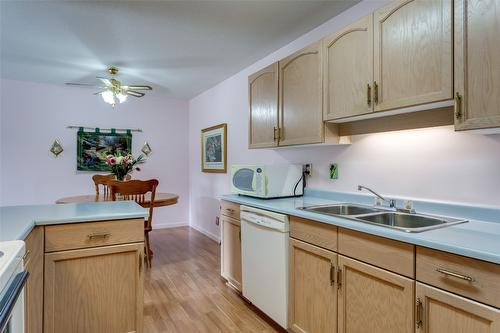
column 12, row 280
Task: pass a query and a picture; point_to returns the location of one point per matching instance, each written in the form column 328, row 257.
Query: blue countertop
column 479, row 238
column 16, row 222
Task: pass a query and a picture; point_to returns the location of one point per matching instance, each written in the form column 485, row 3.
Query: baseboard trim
column 169, row 225
column 206, row 233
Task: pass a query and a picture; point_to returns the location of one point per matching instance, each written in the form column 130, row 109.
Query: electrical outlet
column 307, row 169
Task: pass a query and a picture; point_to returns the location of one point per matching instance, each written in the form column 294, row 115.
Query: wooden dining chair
column 102, row 181
column 136, row 190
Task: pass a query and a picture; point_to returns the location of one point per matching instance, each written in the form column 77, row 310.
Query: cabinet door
column 374, row 300
column 301, row 115
column 33, row 291
column 348, row 71
column 413, row 58
column 263, row 99
column 97, row 290
column 477, row 64
column 231, row 251
column 439, row 311
column 313, row 293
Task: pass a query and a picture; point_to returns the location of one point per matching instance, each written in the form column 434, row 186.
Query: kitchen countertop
column 16, row 222
column 479, row 238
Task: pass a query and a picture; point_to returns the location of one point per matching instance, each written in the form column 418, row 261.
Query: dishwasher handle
column 264, row 221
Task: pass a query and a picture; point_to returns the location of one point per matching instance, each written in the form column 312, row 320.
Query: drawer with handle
column 230, row 209
column 72, row 236
column 472, row 278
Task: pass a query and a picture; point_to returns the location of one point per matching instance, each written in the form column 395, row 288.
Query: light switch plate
column 334, row 171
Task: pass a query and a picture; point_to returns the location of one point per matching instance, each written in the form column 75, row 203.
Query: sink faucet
column 391, row 202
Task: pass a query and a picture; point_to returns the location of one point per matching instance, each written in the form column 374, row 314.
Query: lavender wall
column 33, row 115
column 434, row 163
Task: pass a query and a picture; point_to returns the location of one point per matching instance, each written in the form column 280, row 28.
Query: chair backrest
column 102, row 180
column 136, row 190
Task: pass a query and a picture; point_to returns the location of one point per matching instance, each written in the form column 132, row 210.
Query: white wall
column 432, row 163
column 33, row 115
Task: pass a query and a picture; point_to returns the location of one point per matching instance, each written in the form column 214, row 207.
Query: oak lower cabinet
column 33, row 290
column 300, row 97
column 313, row 293
column 373, row 300
column 440, row 311
column 263, row 103
column 97, row 290
column 477, row 64
column 231, row 251
column 413, row 53
column 348, row 71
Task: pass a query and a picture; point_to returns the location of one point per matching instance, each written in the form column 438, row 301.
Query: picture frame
column 214, row 149
column 90, row 145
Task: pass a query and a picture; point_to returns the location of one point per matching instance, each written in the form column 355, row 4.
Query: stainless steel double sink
column 407, row 222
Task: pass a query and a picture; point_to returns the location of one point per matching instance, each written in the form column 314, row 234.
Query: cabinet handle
column 419, row 313
column 339, row 278
column 368, row 94
column 141, row 260
column 332, row 275
column 276, row 133
column 98, row 235
column 458, row 105
column 230, row 210
column 239, row 235
column 455, row 274
column 375, row 92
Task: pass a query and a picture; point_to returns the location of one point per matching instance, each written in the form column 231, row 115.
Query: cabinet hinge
column 339, row 278
column 332, row 275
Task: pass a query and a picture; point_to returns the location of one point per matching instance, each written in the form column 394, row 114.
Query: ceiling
column 179, row 47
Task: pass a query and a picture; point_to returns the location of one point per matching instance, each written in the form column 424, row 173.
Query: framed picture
column 214, row 149
column 91, row 145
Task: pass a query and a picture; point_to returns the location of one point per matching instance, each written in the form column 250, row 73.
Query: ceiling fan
column 112, row 90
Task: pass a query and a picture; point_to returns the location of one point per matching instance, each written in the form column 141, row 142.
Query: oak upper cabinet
column 413, row 53
column 477, row 64
column 373, row 300
column 313, row 293
column 348, row 71
column 439, row 311
column 300, row 97
column 263, row 99
column 231, row 251
column 96, row 290
column 33, row 291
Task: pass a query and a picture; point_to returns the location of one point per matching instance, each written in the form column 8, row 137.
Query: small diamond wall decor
column 146, row 149
column 56, row 148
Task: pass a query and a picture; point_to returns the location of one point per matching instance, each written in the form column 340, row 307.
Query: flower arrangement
column 121, row 165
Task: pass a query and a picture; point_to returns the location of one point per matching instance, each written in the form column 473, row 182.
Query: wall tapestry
column 92, row 146
column 214, row 149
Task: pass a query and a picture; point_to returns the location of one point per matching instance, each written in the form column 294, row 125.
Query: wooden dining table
column 161, row 199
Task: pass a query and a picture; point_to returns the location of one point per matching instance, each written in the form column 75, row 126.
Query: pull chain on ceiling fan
column 113, row 90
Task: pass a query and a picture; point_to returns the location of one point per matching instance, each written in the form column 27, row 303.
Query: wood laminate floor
column 185, row 293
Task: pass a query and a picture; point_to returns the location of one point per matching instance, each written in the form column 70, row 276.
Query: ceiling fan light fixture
column 121, row 97
column 108, row 97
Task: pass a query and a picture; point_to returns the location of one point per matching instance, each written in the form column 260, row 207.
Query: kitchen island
column 84, row 259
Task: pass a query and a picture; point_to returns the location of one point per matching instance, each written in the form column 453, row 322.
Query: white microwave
column 267, row 181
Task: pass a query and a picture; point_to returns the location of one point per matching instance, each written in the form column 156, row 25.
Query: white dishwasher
column 264, row 255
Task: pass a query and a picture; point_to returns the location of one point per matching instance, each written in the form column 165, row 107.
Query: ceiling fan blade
column 99, row 92
column 82, row 84
column 134, row 93
column 138, row 87
column 106, row 81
